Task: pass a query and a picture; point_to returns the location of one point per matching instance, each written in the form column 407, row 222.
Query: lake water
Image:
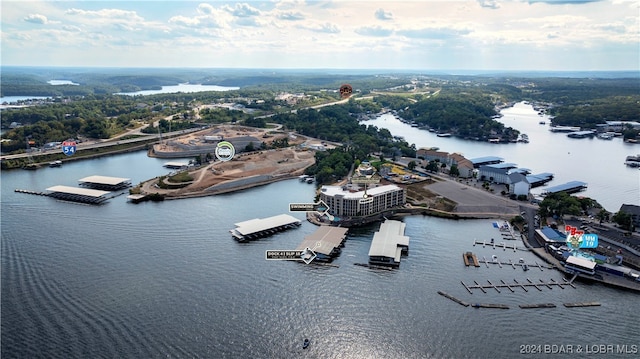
column 62, row 82
column 599, row 163
column 167, row 280
column 185, row 88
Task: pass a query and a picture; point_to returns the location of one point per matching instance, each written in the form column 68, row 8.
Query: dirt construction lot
column 263, row 165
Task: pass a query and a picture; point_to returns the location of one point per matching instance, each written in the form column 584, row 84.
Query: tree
column 623, row 219
column 453, row 171
column 412, row 165
column 249, row 147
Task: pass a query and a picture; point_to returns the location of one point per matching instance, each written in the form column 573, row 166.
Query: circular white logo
column 225, row 151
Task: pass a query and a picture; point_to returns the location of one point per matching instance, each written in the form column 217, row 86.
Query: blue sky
column 544, row 35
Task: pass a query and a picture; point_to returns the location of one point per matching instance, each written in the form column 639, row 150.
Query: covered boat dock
column 569, row 187
column 539, row 179
column 389, row 244
column 262, row 227
column 105, row 183
column 75, row 194
column 325, row 242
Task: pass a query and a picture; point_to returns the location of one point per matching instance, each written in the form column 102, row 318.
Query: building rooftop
column 386, row 241
column 484, row 160
column 337, row 190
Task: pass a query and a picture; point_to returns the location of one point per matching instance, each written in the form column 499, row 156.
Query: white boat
column 57, row 163
column 444, row 135
column 606, row 135
column 632, row 161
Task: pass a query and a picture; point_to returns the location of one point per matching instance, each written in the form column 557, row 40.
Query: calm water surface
column 599, row 163
column 167, row 280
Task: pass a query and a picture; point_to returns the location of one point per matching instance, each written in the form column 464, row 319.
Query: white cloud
column 242, row 10
column 438, row 33
column 380, row 14
column 291, row 15
column 36, row 19
column 376, row 31
column 326, row 28
column 106, row 14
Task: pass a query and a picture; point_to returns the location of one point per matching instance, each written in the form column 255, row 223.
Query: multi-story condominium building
column 344, row 203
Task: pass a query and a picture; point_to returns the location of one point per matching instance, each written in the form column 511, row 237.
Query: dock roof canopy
column 386, row 241
column 327, row 237
column 111, row 181
column 569, row 186
column 262, row 224
column 77, row 194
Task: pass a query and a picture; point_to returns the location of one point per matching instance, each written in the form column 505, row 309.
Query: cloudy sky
column 371, row 34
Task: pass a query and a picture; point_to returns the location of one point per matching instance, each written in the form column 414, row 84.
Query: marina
column 262, row 227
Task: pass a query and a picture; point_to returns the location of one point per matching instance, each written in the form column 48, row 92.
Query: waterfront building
column 465, row 166
column 497, row 173
column 346, row 203
column 519, row 185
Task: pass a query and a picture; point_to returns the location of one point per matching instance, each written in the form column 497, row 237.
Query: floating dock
column 325, row 242
column 513, row 264
column 541, row 305
column 470, row 259
column 389, row 244
column 500, row 245
column 262, row 227
column 582, row 304
column 75, row 194
column 449, row 296
column 105, row 183
column 489, row 305
column 537, row 285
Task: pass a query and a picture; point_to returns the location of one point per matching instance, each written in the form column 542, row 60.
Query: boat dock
column 500, row 245
column 449, row 296
column 541, row 305
column 75, row 194
column 389, row 244
column 325, row 242
column 569, row 187
column 470, row 259
column 537, row 285
column 582, row 304
column 262, row 227
column 105, row 183
column 511, row 263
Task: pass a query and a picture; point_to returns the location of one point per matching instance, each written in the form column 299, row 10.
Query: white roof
column 581, row 262
column 386, row 241
column 78, row 191
column 262, row 224
column 337, row 190
column 104, row 180
column 328, row 237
